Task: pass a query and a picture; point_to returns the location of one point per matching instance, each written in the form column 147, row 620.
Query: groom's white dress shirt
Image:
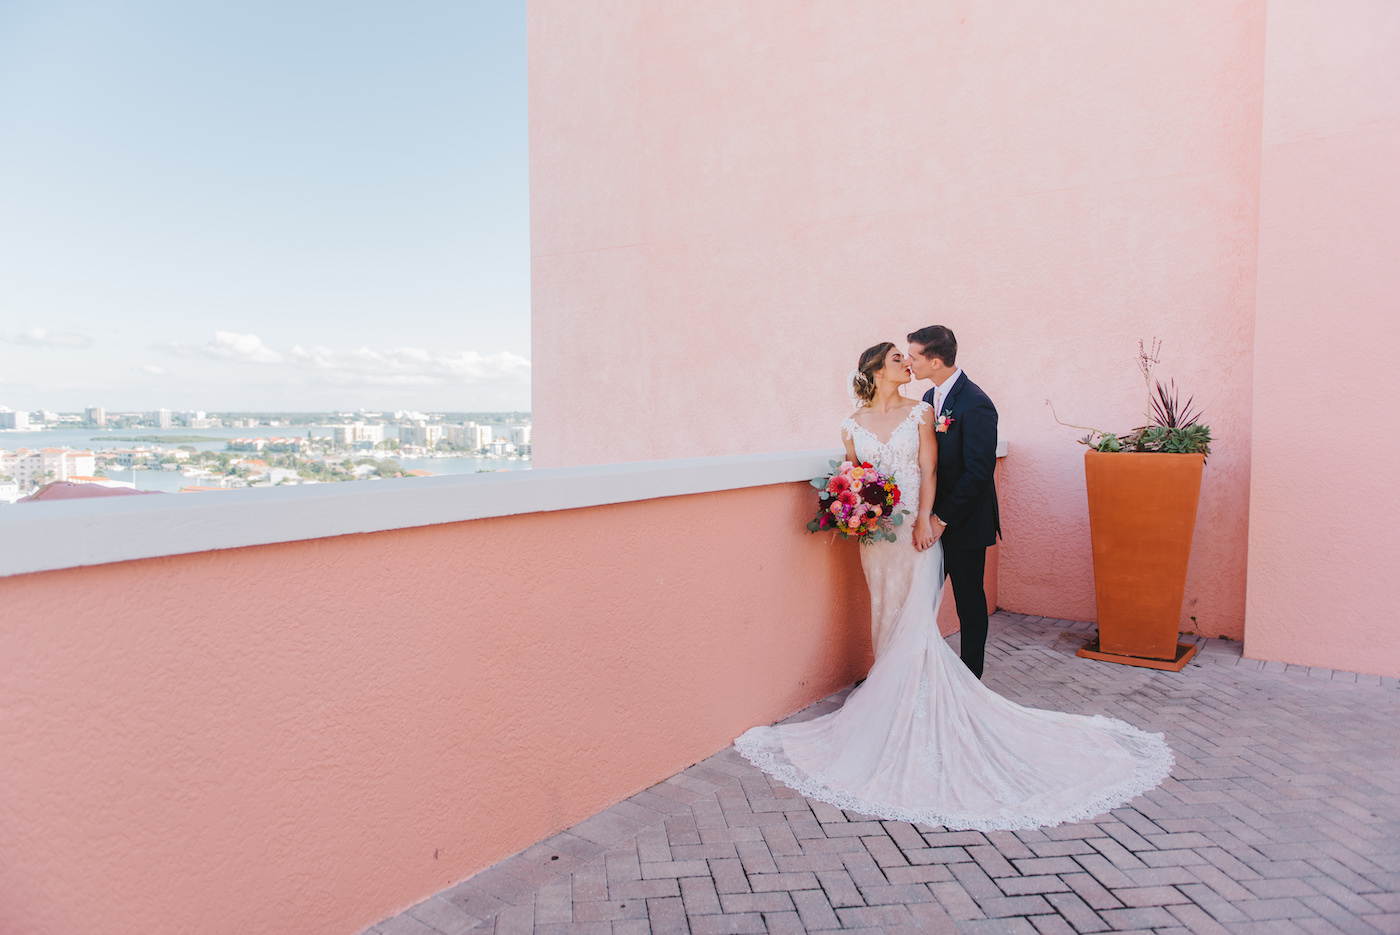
column 940, row 392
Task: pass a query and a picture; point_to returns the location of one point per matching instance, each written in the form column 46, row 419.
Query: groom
column 965, row 514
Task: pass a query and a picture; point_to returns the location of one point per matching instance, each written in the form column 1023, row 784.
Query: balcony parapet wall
column 305, row 710
column 65, row 534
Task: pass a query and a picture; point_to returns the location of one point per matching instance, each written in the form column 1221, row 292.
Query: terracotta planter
column 1142, row 515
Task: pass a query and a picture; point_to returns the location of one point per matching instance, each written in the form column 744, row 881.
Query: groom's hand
column 926, row 532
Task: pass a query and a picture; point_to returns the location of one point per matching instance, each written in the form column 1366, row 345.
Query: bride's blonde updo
column 872, row 361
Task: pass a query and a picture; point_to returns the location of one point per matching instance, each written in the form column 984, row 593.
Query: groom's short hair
column 937, row 341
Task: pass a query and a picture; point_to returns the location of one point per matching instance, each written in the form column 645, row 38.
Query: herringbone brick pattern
column 1281, row 816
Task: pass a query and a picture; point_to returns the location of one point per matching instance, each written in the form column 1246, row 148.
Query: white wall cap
column 44, row 536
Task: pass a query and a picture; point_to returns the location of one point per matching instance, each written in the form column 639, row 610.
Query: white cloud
column 228, row 345
column 411, row 366
column 401, row 366
column 153, row 370
column 43, row 337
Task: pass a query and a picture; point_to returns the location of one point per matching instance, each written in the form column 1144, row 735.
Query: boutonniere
column 942, row 422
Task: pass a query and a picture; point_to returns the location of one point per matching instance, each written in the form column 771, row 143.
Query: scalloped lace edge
column 1152, row 763
column 852, row 426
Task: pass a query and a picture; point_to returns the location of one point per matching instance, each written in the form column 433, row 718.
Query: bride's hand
column 923, row 534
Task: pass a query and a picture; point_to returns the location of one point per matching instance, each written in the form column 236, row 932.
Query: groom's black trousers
column 967, row 569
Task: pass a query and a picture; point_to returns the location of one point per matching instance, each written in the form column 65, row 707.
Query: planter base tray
column 1184, row 652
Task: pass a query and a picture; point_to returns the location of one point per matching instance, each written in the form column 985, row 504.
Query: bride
column 922, row 739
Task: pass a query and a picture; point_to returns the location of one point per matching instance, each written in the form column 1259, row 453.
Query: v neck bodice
column 898, row 454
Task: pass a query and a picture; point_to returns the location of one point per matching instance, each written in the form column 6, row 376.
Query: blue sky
column 246, row 205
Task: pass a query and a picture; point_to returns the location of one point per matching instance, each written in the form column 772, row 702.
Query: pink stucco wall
column 731, row 199
column 1324, row 543
column 308, row 737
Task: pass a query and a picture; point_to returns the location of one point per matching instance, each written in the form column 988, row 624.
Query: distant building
column 356, row 435
column 30, row 468
column 9, row 419
column 162, row 418
column 100, row 481
column 95, row 415
column 469, row 435
column 45, row 415
column 9, row 491
column 520, row 436
column 420, row 434
column 126, row 457
column 196, row 419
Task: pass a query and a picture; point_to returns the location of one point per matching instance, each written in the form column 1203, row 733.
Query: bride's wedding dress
column 922, row 739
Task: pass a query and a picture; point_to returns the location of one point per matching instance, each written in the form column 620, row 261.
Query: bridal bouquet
column 857, row 501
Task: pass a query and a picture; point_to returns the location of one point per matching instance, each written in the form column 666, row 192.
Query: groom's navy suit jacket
column 966, row 493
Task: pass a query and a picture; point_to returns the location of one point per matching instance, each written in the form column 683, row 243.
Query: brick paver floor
column 1281, row 816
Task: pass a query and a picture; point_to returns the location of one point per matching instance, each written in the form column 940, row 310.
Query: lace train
column 1151, row 756
column 922, row 739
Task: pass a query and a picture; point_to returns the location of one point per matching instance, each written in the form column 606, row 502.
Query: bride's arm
column 926, row 533
column 850, row 444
